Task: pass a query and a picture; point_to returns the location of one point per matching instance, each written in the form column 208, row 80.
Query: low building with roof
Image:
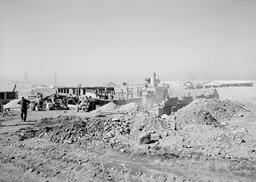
column 227, row 83
column 217, row 84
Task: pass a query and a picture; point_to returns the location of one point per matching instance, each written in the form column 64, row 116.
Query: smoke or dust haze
column 96, row 41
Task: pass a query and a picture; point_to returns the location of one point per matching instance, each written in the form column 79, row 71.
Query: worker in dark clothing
column 92, row 104
column 24, row 108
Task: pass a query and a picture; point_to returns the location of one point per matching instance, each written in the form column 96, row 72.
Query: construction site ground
column 218, row 148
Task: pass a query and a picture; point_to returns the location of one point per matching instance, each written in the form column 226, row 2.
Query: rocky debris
column 150, row 138
column 207, row 111
column 194, row 131
column 27, row 133
column 64, row 129
column 145, row 139
column 116, row 127
column 73, row 129
column 206, row 118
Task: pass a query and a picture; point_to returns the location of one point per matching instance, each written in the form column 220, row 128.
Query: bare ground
column 38, row 159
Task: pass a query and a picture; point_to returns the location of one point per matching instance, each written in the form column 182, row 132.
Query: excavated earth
column 207, row 140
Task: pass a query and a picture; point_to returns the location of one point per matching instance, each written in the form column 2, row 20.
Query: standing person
column 90, row 100
column 24, row 108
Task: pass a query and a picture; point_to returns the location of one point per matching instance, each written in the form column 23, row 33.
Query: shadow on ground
column 29, row 123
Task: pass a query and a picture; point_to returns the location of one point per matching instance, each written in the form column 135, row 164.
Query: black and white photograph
column 127, row 90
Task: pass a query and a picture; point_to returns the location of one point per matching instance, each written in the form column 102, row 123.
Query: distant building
column 211, row 84
column 100, row 92
column 227, row 83
column 236, row 83
column 217, row 84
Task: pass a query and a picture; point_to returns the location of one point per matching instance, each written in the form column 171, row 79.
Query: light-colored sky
column 96, row 41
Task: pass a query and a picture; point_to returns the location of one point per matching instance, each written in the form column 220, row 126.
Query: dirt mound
column 73, row 129
column 127, row 108
column 12, row 104
column 65, row 129
column 201, row 141
column 109, row 107
column 197, row 129
column 207, row 111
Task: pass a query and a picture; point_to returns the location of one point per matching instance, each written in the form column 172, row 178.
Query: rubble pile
column 207, row 111
column 147, row 128
column 116, row 130
column 64, row 129
column 205, row 141
column 206, row 135
column 73, row 129
column 204, row 117
column 197, row 128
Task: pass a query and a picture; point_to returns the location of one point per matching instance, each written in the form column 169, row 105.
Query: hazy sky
column 96, row 41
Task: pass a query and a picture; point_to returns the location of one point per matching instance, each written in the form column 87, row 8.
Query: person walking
column 24, row 108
